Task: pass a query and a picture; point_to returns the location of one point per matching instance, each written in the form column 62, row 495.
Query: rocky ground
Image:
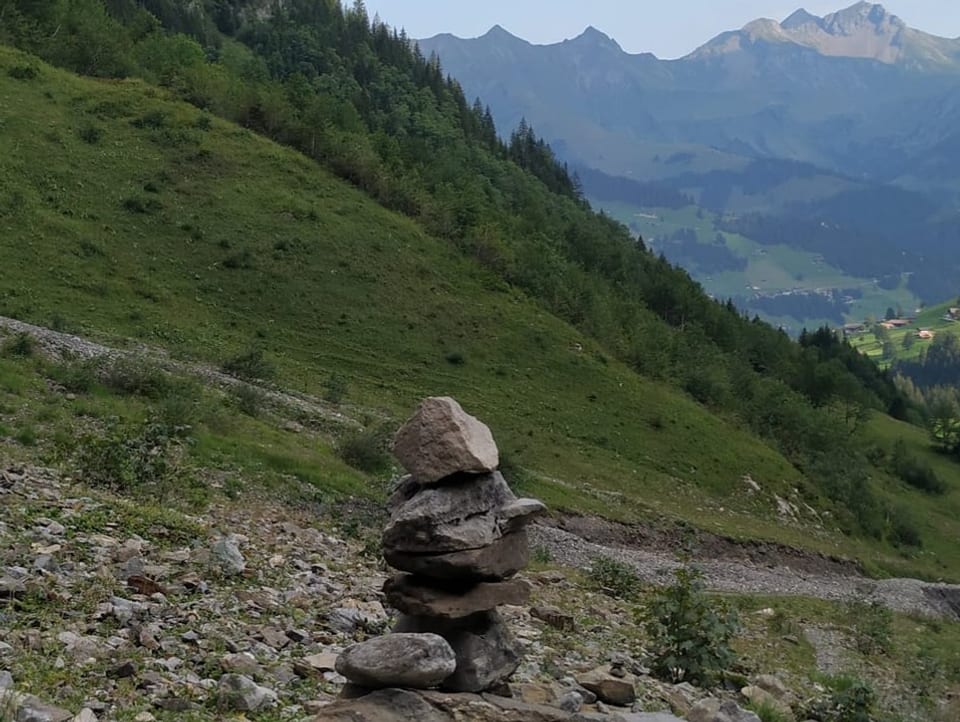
column 114, row 610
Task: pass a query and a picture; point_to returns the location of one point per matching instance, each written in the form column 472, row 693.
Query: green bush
column 851, row 700
column 689, row 633
column 456, row 358
column 903, row 530
column 20, row 346
column 23, row 72
column 250, row 365
column 144, row 458
column 90, row 134
column 614, row 578
column 915, row 472
column 249, row 399
column 76, row 377
column 135, row 377
column 366, row 451
column 334, row 389
column 872, row 626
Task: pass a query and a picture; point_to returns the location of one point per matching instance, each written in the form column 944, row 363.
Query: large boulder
column 417, row 660
column 499, row 560
column 241, row 694
column 486, row 652
column 412, row 596
column 609, row 688
column 716, row 710
column 442, row 439
column 471, row 512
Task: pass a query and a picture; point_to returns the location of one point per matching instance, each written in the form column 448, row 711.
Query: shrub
column 873, row 627
column 155, row 120
column 133, row 458
column 90, row 134
column 689, row 633
column 614, row 578
column 851, row 700
column 335, row 389
column 75, row 377
column 250, row 365
column 903, row 531
column 238, row 260
column 455, row 358
column 915, row 472
column 249, row 399
column 20, row 346
column 23, row 72
column 27, row 436
column 365, row 451
column 135, row 204
column 135, row 377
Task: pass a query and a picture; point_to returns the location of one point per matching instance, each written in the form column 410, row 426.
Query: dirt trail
column 656, row 564
column 64, row 344
column 734, row 568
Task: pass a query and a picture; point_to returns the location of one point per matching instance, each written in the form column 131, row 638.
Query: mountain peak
column 597, row 38
column 498, row 32
column 858, row 16
column 800, row 18
column 864, row 30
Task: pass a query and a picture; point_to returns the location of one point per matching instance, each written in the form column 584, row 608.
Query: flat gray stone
column 417, row 660
column 411, row 596
column 497, row 561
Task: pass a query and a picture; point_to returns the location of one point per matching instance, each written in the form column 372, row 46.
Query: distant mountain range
column 852, row 120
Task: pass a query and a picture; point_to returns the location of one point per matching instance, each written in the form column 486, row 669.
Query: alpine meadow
column 240, row 240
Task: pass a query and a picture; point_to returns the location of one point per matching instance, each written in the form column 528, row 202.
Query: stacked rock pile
column 458, row 533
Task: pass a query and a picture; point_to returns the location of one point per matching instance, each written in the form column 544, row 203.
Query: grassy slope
column 121, row 213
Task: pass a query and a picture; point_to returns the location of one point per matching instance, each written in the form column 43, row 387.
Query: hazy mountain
column 822, row 118
column 863, row 30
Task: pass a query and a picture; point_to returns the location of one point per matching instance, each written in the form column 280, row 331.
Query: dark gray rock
column 466, row 513
column 497, row 561
column 419, row 661
column 485, row 651
column 414, row 597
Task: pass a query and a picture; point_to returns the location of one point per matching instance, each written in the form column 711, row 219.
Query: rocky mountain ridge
column 864, row 30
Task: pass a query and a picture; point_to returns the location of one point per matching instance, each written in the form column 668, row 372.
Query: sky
column 667, row 29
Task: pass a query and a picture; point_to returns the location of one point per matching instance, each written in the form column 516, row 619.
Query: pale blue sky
column 668, row 28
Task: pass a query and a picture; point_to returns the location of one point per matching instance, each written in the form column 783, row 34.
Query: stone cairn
column 459, row 534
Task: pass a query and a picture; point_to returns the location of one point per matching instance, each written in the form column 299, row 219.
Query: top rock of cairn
column 441, row 439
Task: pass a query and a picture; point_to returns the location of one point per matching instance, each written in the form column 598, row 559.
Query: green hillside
column 613, row 384
column 213, row 240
